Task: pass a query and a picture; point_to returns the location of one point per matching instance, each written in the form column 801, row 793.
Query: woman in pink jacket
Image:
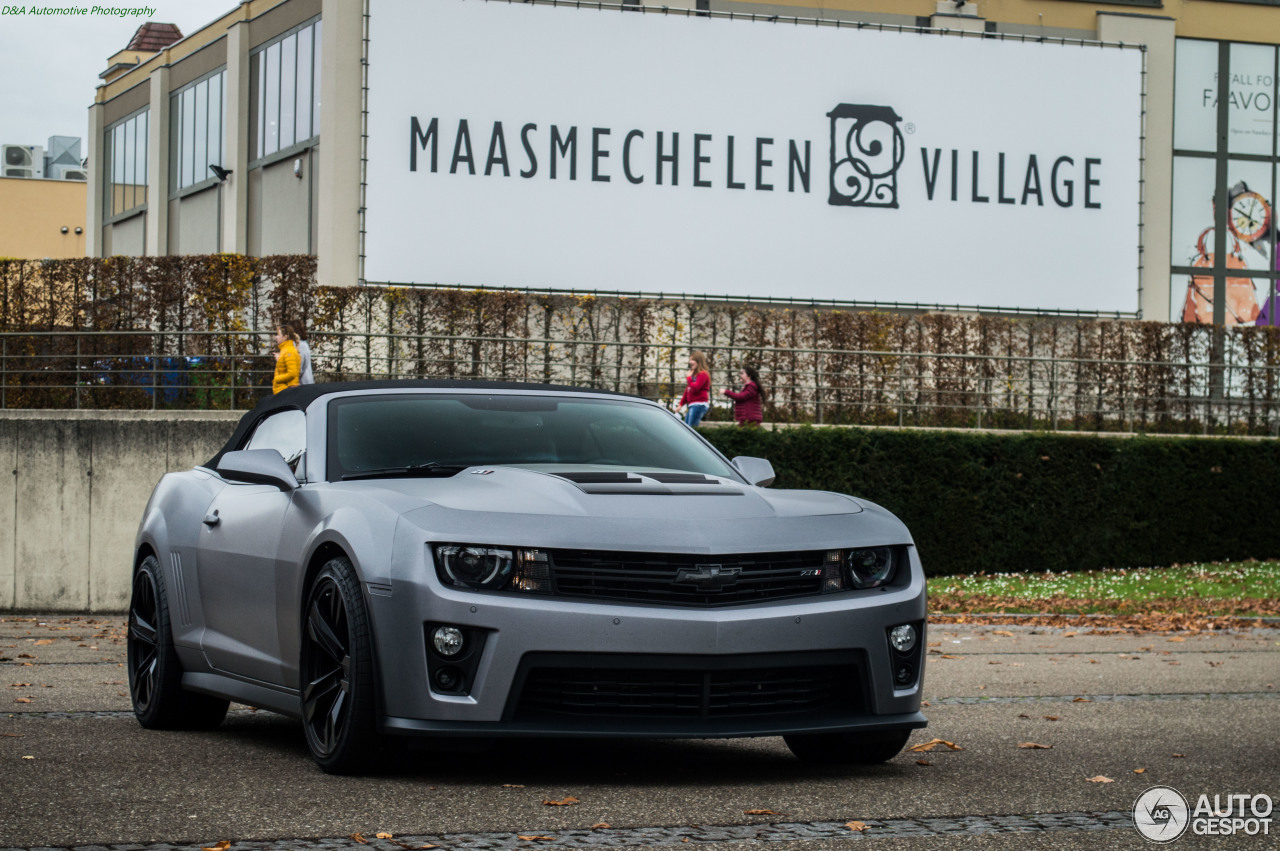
column 748, row 403
column 698, row 393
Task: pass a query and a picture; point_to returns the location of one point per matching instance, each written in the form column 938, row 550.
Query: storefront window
column 1233, row 164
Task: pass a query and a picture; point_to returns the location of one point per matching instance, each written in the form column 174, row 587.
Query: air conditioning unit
column 23, row 160
column 70, row 172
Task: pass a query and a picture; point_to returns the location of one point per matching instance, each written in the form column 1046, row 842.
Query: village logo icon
column 866, row 150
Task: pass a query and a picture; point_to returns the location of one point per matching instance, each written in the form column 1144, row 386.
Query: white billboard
column 544, row 146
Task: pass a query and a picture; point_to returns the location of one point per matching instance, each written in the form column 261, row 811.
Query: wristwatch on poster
column 1249, row 216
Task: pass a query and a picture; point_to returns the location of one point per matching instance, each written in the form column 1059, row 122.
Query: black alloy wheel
column 338, row 707
column 155, row 673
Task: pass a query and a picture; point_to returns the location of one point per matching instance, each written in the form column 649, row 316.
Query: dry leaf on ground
column 923, row 762
column 567, row 802
column 512, row 785
column 1100, row 779
column 535, row 838
column 22, row 700
column 221, row 846
column 1139, row 771
column 1033, row 746
column 760, row 813
column 356, row 837
column 1082, row 700
column 383, row 836
column 856, row 826
column 44, row 641
column 933, row 743
column 601, row 825
column 1003, row 632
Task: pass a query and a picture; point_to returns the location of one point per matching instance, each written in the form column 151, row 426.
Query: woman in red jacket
column 698, row 394
column 748, row 403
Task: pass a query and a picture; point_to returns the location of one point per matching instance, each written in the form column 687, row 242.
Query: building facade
column 246, row 136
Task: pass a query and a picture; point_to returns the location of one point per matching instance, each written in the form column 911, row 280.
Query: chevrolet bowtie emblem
column 709, row 577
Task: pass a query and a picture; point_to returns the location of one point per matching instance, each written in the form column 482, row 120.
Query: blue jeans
column 695, row 413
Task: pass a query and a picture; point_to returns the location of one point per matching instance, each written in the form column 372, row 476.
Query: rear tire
column 339, row 710
column 155, row 674
column 848, row 748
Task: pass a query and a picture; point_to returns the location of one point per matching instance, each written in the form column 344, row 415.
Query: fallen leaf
column 1100, row 779
column 22, row 700
column 44, row 641
column 933, row 743
column 923, row 762
column 533, row 838
column 601, row 825
column 25, row 656
column 934, row 644
column 221, row 846
column 512, row 785
column 13, row 735
column 567, row 802
column 1139, row 771
column 28, row 757
column 949, row 656
column 1177, row 638
column 1032, row 746
column 19, row 685
column 759, row 813
column 856, row 826
column 993, row 662
column 1068, row 635
column 1003, row 632
column 1051, row 717
column 1023, row 715
column 383, row 836
column 1180, row 756
column 358, row 838
column 1082, row 700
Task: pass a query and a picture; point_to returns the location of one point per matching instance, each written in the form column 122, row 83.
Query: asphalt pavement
column 1111, row 715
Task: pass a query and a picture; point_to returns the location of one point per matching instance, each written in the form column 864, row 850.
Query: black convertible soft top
column 299, row 397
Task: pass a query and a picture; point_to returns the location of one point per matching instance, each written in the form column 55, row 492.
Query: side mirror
column 258, row 467
column 758, row 471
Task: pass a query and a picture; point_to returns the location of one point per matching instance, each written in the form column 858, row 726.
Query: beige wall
column 33, row 213
column 193, row 223
column 70, row 508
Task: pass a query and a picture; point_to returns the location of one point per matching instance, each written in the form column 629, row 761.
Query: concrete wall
column 73, row 485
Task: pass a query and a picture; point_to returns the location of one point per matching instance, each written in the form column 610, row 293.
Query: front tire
column 339, row 712
column 848, row 748
column 155, row 674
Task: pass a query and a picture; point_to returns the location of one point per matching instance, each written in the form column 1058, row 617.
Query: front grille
column 686, row 580
column 691, row 693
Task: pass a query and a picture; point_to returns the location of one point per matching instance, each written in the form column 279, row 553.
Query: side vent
column 179, row 598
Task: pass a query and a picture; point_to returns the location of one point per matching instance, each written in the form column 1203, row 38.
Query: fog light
column 448, row 640
column 448, row 679
column 903, row 638
column 904, row 674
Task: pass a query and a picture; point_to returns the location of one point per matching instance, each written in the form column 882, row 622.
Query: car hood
column 536, row 506
column 515, row 490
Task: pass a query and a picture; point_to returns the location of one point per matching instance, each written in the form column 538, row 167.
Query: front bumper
column 560, row 667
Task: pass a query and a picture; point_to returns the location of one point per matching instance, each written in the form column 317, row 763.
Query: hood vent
column 649, row 484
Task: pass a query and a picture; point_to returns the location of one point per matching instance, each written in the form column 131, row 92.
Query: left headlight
column 489, row 568
column 866, row 567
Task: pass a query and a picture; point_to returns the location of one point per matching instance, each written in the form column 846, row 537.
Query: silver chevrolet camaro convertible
column 467, row 559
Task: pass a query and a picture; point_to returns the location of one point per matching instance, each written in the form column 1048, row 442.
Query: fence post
column 4, row 373
column 76, row 373
column 155, row 363
column 1053, row 391
column 817, row 386
column 902, row 391
column 233, row 373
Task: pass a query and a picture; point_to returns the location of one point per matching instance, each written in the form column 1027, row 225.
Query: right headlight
column 486, row 568
column 865, row 567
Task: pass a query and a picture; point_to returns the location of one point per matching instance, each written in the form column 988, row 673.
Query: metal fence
column 231, row 370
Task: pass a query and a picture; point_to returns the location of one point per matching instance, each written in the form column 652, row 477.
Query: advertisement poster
column 1250, row 243
column 596, row 149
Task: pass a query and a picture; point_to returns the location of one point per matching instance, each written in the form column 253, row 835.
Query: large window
column 126, row 158
column 1224, row 183
column 287, row 75
column 197, row 114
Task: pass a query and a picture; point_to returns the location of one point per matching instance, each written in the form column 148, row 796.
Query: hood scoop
column 651, row 484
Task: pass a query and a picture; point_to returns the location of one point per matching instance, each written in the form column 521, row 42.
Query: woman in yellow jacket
column 288, row 364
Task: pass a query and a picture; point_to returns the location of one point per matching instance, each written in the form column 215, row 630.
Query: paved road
column 1200, row 713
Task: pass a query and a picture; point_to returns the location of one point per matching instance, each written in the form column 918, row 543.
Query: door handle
column 212, row 520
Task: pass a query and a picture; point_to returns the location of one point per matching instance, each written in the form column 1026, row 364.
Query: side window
column 285, row 432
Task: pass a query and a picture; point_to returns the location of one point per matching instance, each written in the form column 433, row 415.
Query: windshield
column 375, row 433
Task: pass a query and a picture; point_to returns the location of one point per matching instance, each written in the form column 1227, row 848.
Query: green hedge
column 1000, row 503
